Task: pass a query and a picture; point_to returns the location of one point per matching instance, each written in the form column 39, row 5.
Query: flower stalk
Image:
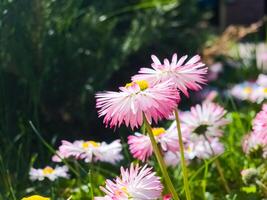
column 160, row 161
column 218, row 167
column 184, row 168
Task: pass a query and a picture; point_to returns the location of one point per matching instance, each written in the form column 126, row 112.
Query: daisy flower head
column 110, row 153
column 35, row 197
column 138, row 183
column 136, row 100
column 79, row 149
column 183, row 75
column 141, row 148
column 206, row 119
column 90, row 151
column 260, row 94
column 255, row 144
column 245, row 91
column 49, row 173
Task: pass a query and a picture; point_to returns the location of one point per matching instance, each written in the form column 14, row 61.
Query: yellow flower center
column 124, row 189
column 247, row 90
column 48, row 170
column 143, row 84
column 158, row 131
column 120, row 191
column 90, row 143
column 189, row 149
column 264, row 90
column 35, row 197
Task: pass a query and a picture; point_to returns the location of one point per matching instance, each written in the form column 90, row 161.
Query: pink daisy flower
column 141, row 148
column 255, row 144
column 135, row 100
column 260, row 121
column 138, row 183
column 110, row 153
column 68, row 149
column 90, row 151
column 206, row 119
column 183, row 75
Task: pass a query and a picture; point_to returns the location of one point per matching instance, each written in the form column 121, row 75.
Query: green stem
column 184, row 168
column 218, row 167
column 160, row 161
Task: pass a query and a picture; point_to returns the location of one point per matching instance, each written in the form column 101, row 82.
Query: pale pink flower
column 255, row 143
column 110, row 153
column 183, row 75
column 79, row 149
column 135, row 100
column 90, row 151
column 48, row 172
column 141, row 148
column 260, row 121
column 136, row 183
column 198, row 147
column 207, row 119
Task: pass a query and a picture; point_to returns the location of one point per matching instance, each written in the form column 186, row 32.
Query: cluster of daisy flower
column 255, row 143
column 255, row 91
column 89, row 151
column 152, row 95
column 201, row 128
column 203, row 125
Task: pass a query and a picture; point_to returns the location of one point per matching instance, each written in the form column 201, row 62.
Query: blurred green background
column 56, row 54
